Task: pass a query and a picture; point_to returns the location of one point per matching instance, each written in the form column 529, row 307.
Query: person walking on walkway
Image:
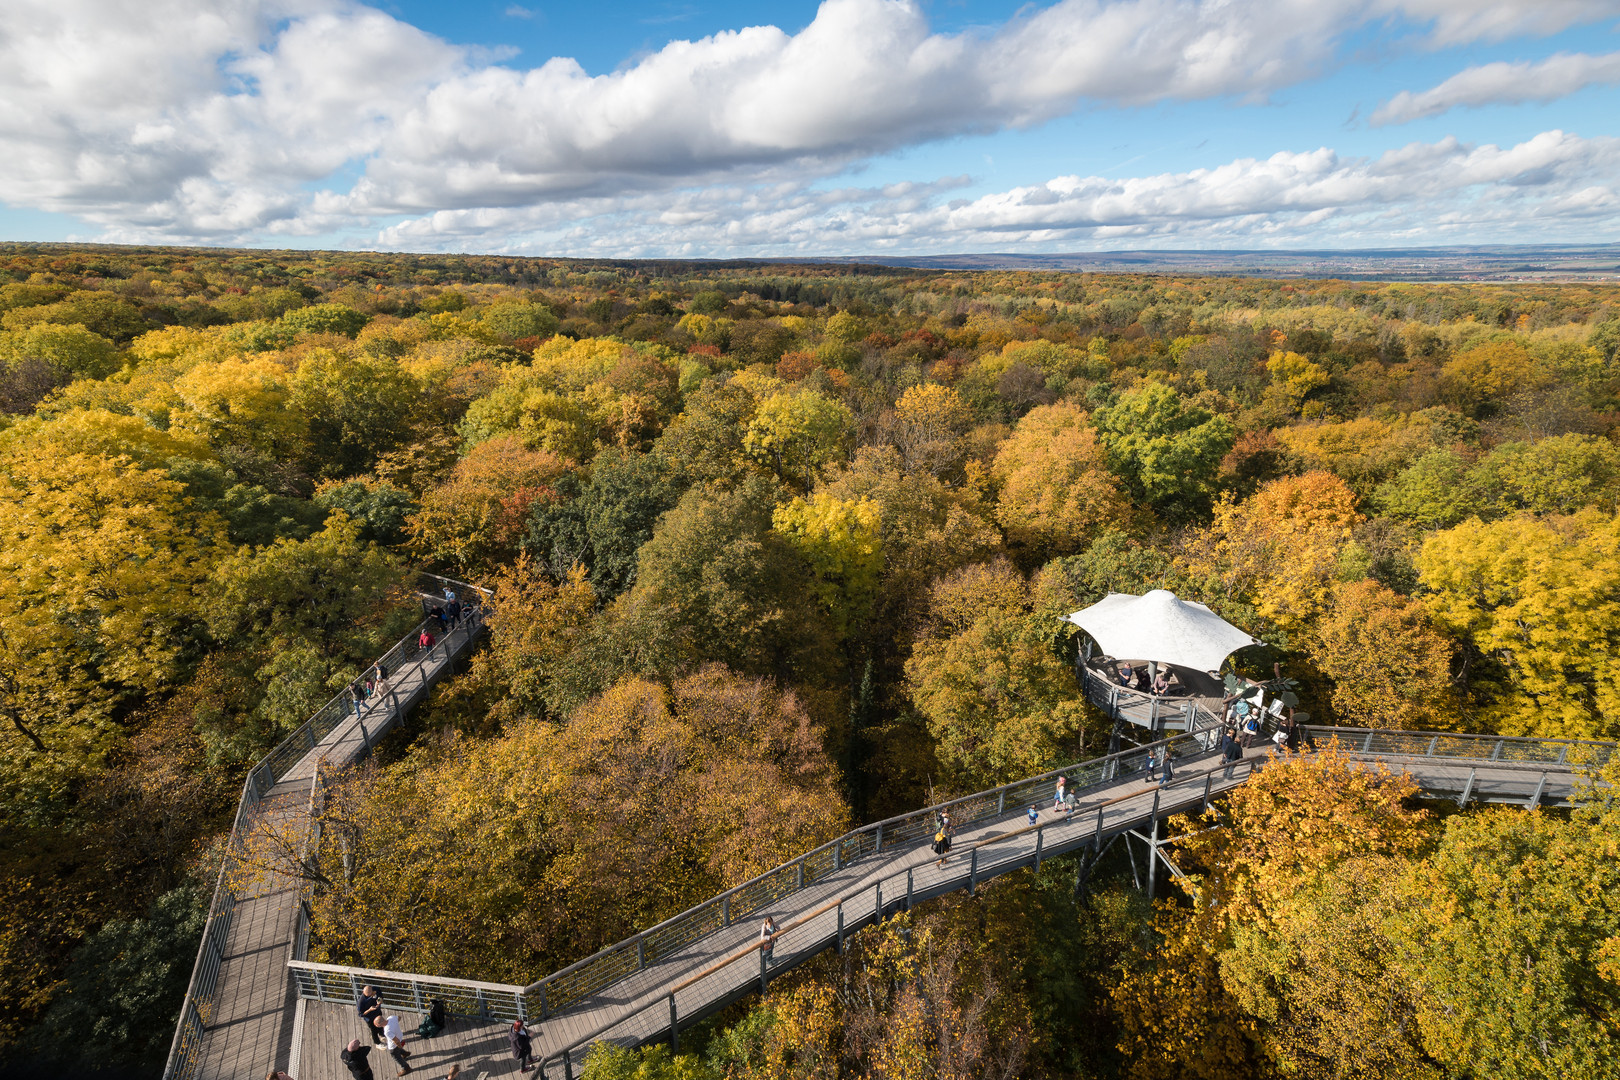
column 425, row 641
column 383, row 689
column 394, row 1040
column 369, row 1008
column 767, row 935
column 354, row 1058
column 1057, row 796
column 522, row 1048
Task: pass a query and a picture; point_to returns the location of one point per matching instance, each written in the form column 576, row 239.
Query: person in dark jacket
column 522, row 1048
column 369, row 1008
column 354, row 1057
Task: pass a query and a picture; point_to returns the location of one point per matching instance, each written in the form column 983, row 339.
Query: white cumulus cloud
column 1554, row 186
column 1503, row 84
column 242, row 120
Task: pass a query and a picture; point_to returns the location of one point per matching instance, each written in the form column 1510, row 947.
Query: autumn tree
column 796, row 434
column 101, row 580
column 1279, row 549
column 1056, row 491
column 841, row 542
column 1165, row 450
column 515, row 856
column 985, row 673
column 477, row 518
column 1390, row 667
column 1534, row 601
column 930, row 421
column 1510, row 938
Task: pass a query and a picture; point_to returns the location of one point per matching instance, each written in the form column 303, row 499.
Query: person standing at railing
column 369, row 1008
column 518, row 1039
column 767, row 937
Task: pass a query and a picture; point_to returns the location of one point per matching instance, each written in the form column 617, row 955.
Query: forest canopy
column 779, row 549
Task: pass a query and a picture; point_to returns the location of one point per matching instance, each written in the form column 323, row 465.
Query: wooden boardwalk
column 248, row 1020
column 715, row 970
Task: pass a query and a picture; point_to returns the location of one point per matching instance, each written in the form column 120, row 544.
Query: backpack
column 433, row 1022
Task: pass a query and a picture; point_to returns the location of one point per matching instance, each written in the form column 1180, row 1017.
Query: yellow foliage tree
column 1279, row 549
column 841, row 540
column 1057, row 494
column 1537, row 600
column 101, row 576
column 930, row 422
column 240, row 403
column 476, row 519
column 518, row 855
column 1389, row 666
column 997, row 698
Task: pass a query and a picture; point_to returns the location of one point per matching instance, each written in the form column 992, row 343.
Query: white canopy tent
column 1157, row 626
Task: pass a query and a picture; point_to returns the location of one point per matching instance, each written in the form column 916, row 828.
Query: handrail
column 718, row 911
column 196, row 1006
column 1110, row 765
column 652, row 999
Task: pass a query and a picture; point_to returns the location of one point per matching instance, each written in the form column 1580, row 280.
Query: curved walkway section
column 237, row 1017
column 651, row 986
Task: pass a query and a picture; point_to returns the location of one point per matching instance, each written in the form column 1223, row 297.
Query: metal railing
column 196, row 1010
column 400, row 990
column 562, row 989
column 580, row 981
column 1114, row 699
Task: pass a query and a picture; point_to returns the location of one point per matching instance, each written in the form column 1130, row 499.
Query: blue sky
column 851, row 127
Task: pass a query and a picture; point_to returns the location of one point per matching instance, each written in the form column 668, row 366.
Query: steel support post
column 568, row 1065
column 1468, row 789
column 908, row 889
column 641, row 954
column 973, row 872
column 1535, row 800
column 840, row 929
column 674, row 1029
column 1153, row 857
column 762, row 962
column 1039, row 832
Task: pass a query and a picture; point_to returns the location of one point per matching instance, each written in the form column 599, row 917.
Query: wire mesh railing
column 197, row 1008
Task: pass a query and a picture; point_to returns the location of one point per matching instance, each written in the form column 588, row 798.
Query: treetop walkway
column 670, row 976
column 239, row 1008
column 242, row 1015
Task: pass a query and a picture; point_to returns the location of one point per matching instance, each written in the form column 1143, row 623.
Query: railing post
column 798, row 874
column 879, row 847
column 908, row 888
column 840, row 928
column 568, row 1065
column 674, row 1030
column 1209, row 781
column 1039, row 832
column 544, row 1012
column 1096, row 833
column 1434, row 742
column 1366, row 744
column 641, row 954
column 725, row 901
column 877, row 902
column 838, row 854
column 973, row 872
column 1496, row 751
column 1468, row 789
column 762, row 982
column 1001, row 802
column 1563, row 751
